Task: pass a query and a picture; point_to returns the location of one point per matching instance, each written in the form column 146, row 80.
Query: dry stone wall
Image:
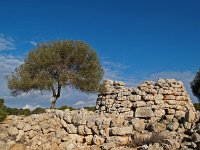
column 151, row 100
column 154, row 116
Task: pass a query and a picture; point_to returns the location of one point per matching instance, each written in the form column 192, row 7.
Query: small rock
column 17, row 147
column 13, row 131
column 143, row 112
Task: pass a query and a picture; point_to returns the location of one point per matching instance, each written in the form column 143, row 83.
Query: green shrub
column 16, row 111
column 25, row 112
column 90, row 108
column 3, row 115
column 38, row 110
column 197, row 106
column 66, row 107
column 1, row 102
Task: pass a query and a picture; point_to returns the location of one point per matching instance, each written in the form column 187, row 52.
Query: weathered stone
column 71, row 129
column 54, row 146
column 143, row 112
column 60, row 133
column 20, row 125
column 27, row 127
column 118, row 83
column 76, row 138
column 121, row 130
column 190, row 116
column 139, row 104
column 134, row 98
column 173, row 126
column 155, row 146
column 84, row 130
column 118, row 139
column 159, row 112
column 91, row 122
column 63, row 123
column 88, row 139
column 149, row 97
column 117, row 121
column 32, row 133
column 170, row 111
column 187, row 125
column 13, row 131
column 20, row 135
column 108, row 146
column 98, row 140
column 156, row 127
column 138, row 124
column 17, row 146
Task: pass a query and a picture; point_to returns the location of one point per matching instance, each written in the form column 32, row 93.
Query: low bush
column 66, row 107
column 3, row 115
column 197, row 106
column 90, row 108
column 17, row 111
column 1, row 102
column 38, row 110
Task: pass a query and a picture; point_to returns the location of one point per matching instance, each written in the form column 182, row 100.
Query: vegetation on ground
column 195, row 85
column 197, row 106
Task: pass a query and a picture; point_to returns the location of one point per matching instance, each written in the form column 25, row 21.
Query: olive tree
column 57, row 64
column 195, row 85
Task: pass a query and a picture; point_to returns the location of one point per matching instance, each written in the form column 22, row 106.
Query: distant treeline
column 5, row 111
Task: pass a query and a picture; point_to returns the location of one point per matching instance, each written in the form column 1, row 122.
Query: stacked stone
column 65, row 130
column 114, row 98
column 165, row 98
column 160, row 114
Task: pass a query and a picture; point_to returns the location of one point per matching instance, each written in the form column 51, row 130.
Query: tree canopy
column 56, row 64
column 195, row 85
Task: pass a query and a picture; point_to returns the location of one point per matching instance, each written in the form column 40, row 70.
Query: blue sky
column 135, row 40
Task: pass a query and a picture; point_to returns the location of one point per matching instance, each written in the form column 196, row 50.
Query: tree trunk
column 53, row 102
column 55, row 95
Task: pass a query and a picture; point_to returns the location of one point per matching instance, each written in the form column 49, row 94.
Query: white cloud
column 27, row 106
column 33, row 43
column 7, row 65
column 6, row 43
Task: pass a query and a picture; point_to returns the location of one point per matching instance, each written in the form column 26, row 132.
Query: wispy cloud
column 33, row 43
column 6, row 42
column 7, row 65
column 115, row 71
column 27, row 106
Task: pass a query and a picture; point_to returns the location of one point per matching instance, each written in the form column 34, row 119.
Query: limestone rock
column 98, row 140
column 138, row 124
column 190, row 116
column 13, row 131
column 71, row 129
column 121, row 130
column 143, row 112
column 17, row 147
column 118, row 139
column 108, row 146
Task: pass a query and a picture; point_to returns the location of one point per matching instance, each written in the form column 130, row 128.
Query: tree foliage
column 195, row 85
column 53, row 65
